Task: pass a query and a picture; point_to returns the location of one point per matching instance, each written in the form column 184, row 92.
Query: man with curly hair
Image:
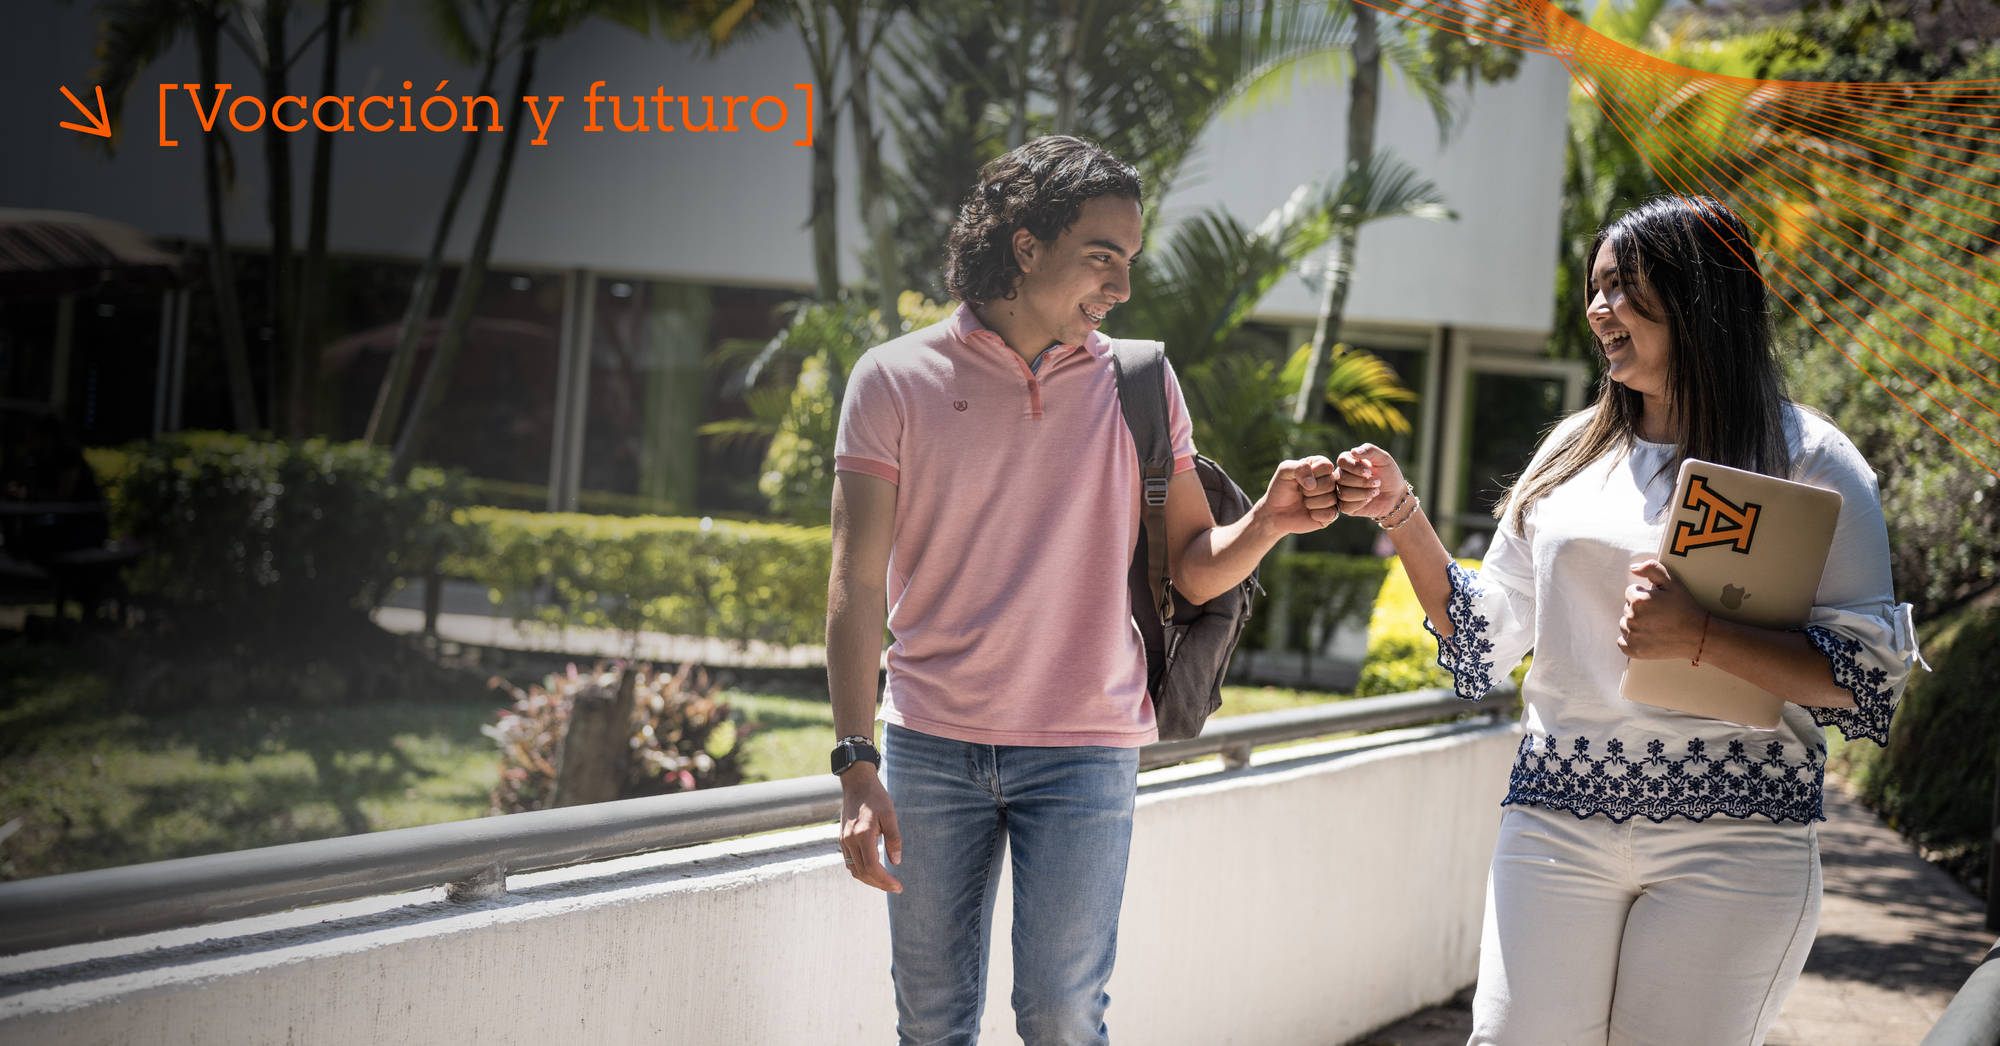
column 987, row 494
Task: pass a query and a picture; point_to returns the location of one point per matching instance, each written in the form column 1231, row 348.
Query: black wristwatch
column 852, row 750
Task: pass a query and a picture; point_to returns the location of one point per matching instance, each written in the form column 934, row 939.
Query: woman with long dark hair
column 1621, row 908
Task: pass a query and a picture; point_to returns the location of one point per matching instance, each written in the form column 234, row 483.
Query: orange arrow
column 100, row 123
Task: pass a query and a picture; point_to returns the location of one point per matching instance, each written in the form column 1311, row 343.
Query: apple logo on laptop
column 1733, row 597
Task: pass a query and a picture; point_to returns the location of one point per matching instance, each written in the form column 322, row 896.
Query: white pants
column 1642, row 934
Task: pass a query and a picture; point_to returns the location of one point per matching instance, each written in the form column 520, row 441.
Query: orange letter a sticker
column 1722, row 523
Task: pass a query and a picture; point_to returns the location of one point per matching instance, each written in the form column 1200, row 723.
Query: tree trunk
column 384, row 419
column 816, row 35
column 596, row 746
column 1312, row 405
column 1017, row 77
column 278, row 206
column 1364, row 92
column 304, row 389
column 222, row 275
column 438, row 377
column 874, row 200
column 1069, row 61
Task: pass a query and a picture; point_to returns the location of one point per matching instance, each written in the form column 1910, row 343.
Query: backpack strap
column 1141, row 367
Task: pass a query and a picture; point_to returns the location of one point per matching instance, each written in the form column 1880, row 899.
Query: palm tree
column 514, row 25
column 472, row 33
column 263, row 39
column 1361, row 53
column 344, row 19
column 131, row 34
column 724, row 22
column 862, row 27
column 1198, row 290
column 833, row 30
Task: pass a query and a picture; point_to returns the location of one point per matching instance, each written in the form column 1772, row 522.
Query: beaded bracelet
column 1704, row 641
column 1409, row 494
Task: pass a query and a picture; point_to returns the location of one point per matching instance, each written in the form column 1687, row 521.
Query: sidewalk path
column 1896, row 939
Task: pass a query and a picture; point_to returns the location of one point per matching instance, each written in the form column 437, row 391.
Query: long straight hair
column 1691, row 266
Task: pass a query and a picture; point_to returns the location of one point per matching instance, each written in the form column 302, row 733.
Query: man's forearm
column 1221, row 557
column 853, row 656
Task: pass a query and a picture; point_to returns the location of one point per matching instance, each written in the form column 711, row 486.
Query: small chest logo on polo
column 959, row 404
column 1722, row 521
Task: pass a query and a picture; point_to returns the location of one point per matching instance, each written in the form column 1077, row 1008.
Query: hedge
column 699, row 577
column 1934, row 781
column 274, row 538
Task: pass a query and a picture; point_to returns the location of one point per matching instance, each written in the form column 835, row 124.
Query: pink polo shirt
column 1017, row 511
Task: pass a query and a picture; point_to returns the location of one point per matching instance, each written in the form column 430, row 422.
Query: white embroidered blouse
column 1558, row 590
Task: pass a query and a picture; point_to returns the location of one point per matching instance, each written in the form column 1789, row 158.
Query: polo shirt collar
column 965, row 324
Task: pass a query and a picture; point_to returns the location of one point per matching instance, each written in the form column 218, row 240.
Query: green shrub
column 737, row 581
column 276, row 539
column 1943, row 510
column 825, row 339
column 1934, row 781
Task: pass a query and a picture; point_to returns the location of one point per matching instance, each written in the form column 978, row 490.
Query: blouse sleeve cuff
column 1468, row 652
column 1870, row 659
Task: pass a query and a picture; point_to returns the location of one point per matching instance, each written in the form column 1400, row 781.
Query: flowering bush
column 680, row 736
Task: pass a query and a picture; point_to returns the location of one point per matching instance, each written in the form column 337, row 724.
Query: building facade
column 625, row 259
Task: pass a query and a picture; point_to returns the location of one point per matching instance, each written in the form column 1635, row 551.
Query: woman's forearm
column 1782, row 663
column 1425, row 561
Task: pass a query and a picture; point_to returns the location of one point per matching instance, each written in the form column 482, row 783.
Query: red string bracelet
column 1704, row 641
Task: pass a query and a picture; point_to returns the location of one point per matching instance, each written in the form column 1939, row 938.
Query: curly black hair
column 1041, row 187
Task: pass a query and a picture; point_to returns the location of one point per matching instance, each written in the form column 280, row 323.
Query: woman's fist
column 1368, row 480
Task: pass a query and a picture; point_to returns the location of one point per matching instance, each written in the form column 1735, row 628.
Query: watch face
column 847, row 753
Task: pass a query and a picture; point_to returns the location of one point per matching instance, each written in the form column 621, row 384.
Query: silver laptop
column 1750, row 548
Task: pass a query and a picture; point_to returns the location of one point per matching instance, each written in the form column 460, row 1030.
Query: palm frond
column 1364, row 390
column 364, row 17
column 768, row 407
column 130, row 35
column 451, row 25
column 1361, row 388
column 1387, row 188
column 1273, row 82
column 1213, row 272
column 1411, row 62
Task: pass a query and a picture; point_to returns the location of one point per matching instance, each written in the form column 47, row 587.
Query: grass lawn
column 94, row 788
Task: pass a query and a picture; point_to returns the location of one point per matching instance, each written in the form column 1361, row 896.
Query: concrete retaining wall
column 1299, row 902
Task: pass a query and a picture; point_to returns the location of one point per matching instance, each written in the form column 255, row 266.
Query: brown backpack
column 1188, row 645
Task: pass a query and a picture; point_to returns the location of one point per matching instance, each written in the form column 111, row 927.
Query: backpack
column 1187, row 645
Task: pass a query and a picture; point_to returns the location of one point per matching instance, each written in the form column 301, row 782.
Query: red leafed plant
column 673, row 734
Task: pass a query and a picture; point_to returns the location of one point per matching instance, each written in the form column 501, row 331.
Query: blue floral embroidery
column 1460, row 653
column 1736, row 784
column 1874, row 703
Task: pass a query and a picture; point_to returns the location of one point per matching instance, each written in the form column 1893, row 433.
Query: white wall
column 733, row 207
column 1300, row 902
column 730, row 207
column 1501, row 170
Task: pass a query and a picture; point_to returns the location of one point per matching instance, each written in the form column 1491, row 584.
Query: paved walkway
column 1896, row 939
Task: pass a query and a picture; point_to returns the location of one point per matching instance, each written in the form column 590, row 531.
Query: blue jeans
column 1067, row 814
